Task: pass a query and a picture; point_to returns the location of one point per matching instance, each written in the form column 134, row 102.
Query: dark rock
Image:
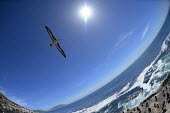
column 156, row 98
column 147, row 105
column 149, row 110
column 163, row 104
column 155, row 105
column 138, row 108
column 167, row 95
column 164, row 110
column 168, row 101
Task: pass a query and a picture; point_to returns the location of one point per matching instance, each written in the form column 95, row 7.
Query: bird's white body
column 54, row 42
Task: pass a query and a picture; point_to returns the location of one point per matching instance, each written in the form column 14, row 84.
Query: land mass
column 7, row 106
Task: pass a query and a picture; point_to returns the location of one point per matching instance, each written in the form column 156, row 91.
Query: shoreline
column 158, row 102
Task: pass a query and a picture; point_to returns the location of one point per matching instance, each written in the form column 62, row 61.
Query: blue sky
column 37, row 76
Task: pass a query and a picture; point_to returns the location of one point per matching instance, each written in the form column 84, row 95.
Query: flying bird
column 55, row 41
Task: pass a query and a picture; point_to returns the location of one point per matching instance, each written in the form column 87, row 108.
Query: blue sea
column 132, row 86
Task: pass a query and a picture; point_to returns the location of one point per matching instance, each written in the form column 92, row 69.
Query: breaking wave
column 149, row 81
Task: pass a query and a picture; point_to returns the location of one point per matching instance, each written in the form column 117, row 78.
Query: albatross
column 55, row 41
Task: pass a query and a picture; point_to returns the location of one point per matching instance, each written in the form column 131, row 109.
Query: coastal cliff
column 7, row 106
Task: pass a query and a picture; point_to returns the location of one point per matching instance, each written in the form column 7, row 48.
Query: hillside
column 7, row 106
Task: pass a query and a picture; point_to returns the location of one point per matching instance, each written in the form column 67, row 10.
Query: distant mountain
column 57, row 107
column 53, row 108
column 39, row 111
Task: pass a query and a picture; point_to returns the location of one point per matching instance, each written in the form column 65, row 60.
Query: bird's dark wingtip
column 46, row 27
column 64, row 55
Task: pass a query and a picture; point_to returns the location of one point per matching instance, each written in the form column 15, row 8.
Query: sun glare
column 85, row 12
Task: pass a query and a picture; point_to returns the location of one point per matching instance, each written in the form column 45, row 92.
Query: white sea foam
column 164, row 45
column 125, row 88
column 141, row 77
column 98, row 106
column 160, row 68
column 105, row 102
column 139, row 82
column 147, row 88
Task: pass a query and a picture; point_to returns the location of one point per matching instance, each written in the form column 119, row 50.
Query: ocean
column 132, row 86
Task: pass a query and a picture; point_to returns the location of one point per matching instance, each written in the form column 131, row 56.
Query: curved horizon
column 37, row 76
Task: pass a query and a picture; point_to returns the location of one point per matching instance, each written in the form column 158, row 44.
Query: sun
column 85, row 12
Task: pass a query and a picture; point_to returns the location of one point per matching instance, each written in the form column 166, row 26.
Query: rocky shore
column 159, row 102
column 7, row 106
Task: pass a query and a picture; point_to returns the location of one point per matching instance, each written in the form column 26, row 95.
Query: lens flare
column 85, row 12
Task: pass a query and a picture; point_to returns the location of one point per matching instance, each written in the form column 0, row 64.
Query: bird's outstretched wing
column 50, row 33
column 61, row 51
